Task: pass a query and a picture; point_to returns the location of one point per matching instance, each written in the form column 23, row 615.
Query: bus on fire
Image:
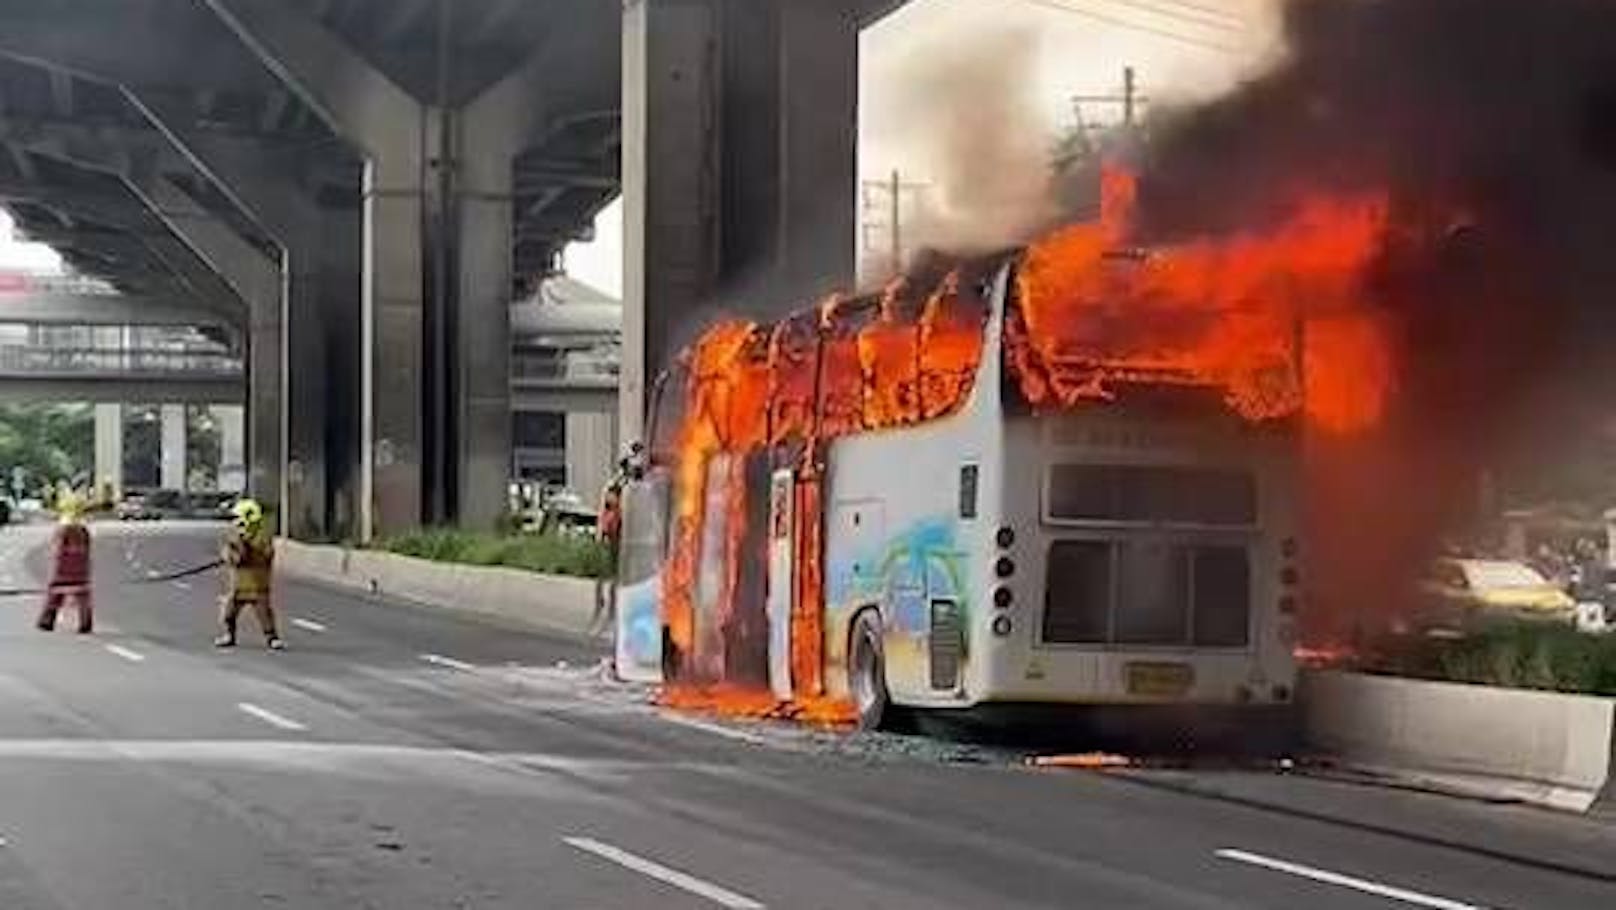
column 925, row 499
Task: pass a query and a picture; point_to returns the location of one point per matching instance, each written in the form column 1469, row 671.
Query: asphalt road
column 399, row 758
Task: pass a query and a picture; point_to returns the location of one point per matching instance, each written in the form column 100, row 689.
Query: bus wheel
column 866, row 672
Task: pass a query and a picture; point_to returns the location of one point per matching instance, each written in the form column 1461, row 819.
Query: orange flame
column 1252, row 314
column 846, row 368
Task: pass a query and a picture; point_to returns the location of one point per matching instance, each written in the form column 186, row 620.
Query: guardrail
column 13, row 283
column 586, row 369
column 44, row 359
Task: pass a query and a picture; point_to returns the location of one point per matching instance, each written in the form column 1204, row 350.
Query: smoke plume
column 1492, row 125
column 974, row 119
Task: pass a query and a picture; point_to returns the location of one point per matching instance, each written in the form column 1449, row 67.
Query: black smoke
column 1491, row 125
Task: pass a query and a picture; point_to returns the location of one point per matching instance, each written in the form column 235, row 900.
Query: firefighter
column 249, row 554
column 70, row 566
column 609, row 530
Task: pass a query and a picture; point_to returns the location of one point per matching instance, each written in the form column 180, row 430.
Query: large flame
column 850, row 366
column 1276, row 319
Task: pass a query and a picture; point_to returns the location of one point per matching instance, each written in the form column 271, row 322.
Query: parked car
column 1461, row 595
column 133, row 507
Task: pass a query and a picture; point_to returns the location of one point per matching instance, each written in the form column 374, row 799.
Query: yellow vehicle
column 1461, row 594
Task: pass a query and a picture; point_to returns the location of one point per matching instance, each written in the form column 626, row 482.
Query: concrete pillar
column 232, row 423
column 592, row 453
column 173, row 471
column 389, row 128
column 291, row 379
column 109, row 448
column 258, row 280
column 739, row 165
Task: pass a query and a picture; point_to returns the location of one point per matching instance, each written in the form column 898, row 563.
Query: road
column 400, row 758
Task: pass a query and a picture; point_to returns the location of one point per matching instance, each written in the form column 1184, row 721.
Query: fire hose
column 151, row 578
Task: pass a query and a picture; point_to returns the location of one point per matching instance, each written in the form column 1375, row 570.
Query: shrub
column 1521, row 656
column 551, row 554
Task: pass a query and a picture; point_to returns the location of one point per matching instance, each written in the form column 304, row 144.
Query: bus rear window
column 1138, row 592
column 1077, row 596
column 1148, row 494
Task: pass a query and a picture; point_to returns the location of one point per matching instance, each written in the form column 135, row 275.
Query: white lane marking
column 309, row 624
column 715, row 729
column 183, row 585
column 684, row 882
column 450, row 662
column 133, row 657
column 269, row 717
column 1345, row 881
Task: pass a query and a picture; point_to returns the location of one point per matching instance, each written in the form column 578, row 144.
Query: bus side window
column 968, row 484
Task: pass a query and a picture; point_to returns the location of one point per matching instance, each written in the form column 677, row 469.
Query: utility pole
column 1129, row 98
column 1128, row 93
column 885, row 216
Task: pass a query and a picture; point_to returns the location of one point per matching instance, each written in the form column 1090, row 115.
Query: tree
column 48, row 442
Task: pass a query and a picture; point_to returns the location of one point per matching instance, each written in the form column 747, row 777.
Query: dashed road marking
column 133, row 657
column 450, row 662
column 681, row 880
column 309, row 624
column 1339, row 880
column 674, row 717
column 270, row 717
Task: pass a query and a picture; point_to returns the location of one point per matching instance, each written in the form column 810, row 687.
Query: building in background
column 566, row 347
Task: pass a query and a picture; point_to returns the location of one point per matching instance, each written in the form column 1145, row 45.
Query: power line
column 1108, row 19
column 1180, row 14
column 1210, row 11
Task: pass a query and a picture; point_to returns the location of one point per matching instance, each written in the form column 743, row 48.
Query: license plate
column 1159, row 679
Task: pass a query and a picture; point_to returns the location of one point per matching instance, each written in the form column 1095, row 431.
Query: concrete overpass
column 71, row 308
column 361, row 186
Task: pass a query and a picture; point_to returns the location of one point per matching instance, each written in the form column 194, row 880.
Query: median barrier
column 1545, row 748
column 548, row 603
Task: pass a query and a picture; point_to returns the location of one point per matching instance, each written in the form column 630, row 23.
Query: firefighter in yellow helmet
column 70, row 566
column 249, row 554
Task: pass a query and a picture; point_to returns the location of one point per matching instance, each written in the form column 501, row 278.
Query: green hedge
column 550, row 554
column 1521, row 656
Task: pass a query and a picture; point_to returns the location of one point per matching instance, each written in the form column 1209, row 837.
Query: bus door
column 708, row 659
column 781, row 586
column 638, row 643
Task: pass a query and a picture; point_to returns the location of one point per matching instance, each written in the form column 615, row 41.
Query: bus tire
column 867, row 672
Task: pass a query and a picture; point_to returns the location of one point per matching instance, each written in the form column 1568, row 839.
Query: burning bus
column 1066, row 474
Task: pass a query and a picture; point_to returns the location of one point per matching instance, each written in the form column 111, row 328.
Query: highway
column 402, row 758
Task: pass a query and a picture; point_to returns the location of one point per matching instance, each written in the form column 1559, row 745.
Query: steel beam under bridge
column 123, row 389
column 57, row 307
column 570, row 396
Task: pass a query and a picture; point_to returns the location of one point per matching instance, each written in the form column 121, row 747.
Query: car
column 166, row 504
column 1462, row 595
column 132, row 508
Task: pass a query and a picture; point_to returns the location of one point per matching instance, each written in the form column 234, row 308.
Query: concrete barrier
column 548, row 603
column 1538, row 747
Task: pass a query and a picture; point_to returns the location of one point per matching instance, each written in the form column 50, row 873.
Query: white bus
column 1137, row 550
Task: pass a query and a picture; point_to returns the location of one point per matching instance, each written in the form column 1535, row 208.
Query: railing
column 585, row 368
column 15, row 283
column 27, row 359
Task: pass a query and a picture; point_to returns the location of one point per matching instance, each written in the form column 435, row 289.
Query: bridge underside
column 360, row 187
column 123, row 389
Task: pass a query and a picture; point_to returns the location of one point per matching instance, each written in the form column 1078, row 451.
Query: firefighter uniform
column 249, row 555
column 70, row 568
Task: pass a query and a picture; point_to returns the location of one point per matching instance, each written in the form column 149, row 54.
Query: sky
column 17, row 255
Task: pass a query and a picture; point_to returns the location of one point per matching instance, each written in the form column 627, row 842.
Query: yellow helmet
column 248, row 512
column 69, row 506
